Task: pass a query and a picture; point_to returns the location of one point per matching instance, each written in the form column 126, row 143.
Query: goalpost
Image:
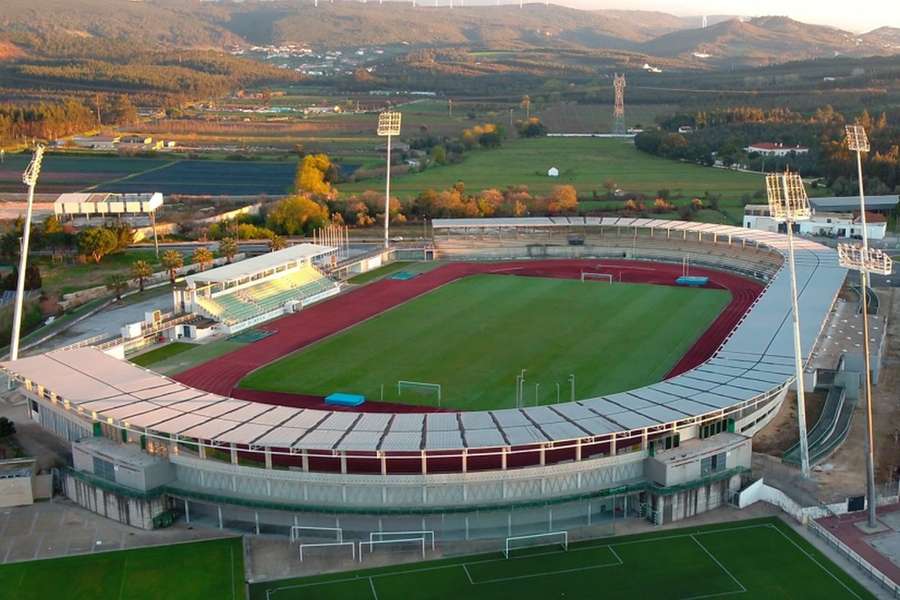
column 381, row 535
column 297, row 530
column 585, row 275
column 550, row 538
column 419, row 541
column 419, row 387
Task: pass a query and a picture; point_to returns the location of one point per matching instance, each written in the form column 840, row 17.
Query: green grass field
column 583, row 162
column 473, row 336
column 760, row 559
column 160, row 354
column 193, row 571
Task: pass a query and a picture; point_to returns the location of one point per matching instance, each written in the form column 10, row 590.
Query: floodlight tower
column 619, row 112
column 788, row 204
column 865, row 260
column 29, row 178
column 388, row 126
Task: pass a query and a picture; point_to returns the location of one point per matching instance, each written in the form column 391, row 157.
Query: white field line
column 372, row 587
column 812, row 558
column 721, row 566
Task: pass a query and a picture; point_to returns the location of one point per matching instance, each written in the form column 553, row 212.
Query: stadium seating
column 249, row 302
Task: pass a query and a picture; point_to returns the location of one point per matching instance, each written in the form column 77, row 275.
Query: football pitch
column 474, row 336
column 190, row 571
column 762, row 558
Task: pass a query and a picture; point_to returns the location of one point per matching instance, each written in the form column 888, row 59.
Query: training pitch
column 475, row 335
column 191, row 571
column 762, row 558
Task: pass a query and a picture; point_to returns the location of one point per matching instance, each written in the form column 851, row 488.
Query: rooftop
column 258, row 264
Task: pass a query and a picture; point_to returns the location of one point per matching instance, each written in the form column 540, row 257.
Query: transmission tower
column 619, row 113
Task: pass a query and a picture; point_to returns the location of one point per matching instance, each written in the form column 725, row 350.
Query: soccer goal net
column 307, row 531
column 421, row 388
column 588, row 275
column 551, row 538
column 415, row 542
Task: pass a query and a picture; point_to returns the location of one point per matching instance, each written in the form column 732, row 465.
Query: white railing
column 851, row 555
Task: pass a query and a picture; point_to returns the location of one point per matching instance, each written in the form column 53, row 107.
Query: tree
column 172, row 260
column 141, row 270
column 315, row 174
column 296, row 214
column 277, row 243
column 203, row 256
column 228, row 248
column 52, row 225
column 531, row 127
column 96, row 242
column 563, row 200
column 117, row 283
column 526, row 104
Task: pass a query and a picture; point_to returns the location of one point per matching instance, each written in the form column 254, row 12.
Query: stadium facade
column 150, row 448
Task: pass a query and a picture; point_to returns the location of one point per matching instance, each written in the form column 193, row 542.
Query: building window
column 712, row 464
column 104, row 469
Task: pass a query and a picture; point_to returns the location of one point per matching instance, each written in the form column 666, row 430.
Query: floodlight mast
column 858, row 141
column 388, row 126
column 29, row 178
column 788, row 203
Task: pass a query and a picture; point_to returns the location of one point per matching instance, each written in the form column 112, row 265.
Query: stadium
column 316, row 426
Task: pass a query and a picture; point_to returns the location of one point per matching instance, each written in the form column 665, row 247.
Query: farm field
column 70, row 173
column 583, row 162
column 210, row 569
column 761, row 558
column 475, row 335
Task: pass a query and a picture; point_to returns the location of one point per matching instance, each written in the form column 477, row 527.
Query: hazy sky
column 865, row 16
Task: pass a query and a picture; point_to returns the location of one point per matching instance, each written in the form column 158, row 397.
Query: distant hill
column 761, row 40
column 65, row 28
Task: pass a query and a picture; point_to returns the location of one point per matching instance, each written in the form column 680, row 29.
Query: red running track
column 845, row 528
column 290, row 333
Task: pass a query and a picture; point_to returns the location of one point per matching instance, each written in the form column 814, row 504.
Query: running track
column 292, row 332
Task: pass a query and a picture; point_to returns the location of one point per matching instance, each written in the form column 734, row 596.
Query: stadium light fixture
column 388, row 126
column 29, row 178
column 788, row 204
column 865, row 260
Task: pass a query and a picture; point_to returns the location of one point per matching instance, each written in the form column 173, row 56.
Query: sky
column 874, row 13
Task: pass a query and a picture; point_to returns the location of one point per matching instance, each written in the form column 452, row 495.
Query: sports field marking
column 817, row 563
column 721, row 566
column 372, row 587
column 617, row 563
column 124, row 577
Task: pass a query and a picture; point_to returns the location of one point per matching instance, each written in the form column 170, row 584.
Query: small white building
column 775, row 149
column 827, row 224
column 552, row 172
column 104, row 204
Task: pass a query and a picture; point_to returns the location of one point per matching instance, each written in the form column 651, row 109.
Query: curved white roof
column 756, row 358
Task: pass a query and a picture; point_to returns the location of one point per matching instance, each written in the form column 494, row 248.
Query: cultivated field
column 212, row 569
column 583, row 162
column 475, row 335
column 762, row 558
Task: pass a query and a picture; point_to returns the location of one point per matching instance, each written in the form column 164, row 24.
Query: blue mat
column 340, row 399
column 403, row 275
column 692, row 280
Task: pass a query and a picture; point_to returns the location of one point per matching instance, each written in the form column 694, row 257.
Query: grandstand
column 664, row 451
column 243, row 294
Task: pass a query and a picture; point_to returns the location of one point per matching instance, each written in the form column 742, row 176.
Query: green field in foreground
column 760, row 559
column 211, row 569
column 473, row 336
column 583, row 162
column 160, row 354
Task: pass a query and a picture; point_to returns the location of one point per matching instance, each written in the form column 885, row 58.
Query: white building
column 552, row 172
column 106, row 204
column 828, row 224
column 775, row 149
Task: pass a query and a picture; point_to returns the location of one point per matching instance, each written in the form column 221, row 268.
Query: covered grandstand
column 245, row 293
column 621, row 447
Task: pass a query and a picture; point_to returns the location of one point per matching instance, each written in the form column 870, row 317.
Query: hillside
column 759, row 41
column 886, row 37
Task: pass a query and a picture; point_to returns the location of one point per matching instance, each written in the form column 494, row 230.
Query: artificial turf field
column 762, row 558
column 192, row 571
column 474, row 336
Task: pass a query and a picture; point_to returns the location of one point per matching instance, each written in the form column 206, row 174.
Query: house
column 685, row 129
column 775, row 149
column 96, row 142
column 553, row 172
column 825, row 224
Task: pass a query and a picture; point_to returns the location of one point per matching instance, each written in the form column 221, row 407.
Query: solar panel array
column 756, row 358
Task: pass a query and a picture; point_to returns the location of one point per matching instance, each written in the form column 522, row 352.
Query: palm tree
column 141, row 270
column 117, row 283
column 228, row 248
column 277, row 243
column 203, row 256
column 172, row 260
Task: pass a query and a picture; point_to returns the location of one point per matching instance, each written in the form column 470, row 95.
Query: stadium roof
column 851, row 203
column 756, row 359
column 104, row 203
column 258, row 264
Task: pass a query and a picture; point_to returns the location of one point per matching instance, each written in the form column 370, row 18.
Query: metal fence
column 883, row 580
